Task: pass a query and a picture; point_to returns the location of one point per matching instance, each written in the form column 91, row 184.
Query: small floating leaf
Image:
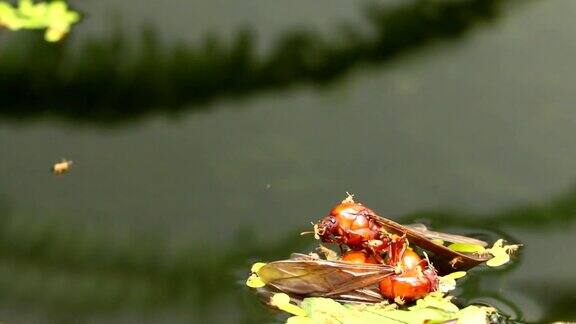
column 498, row 260
column 455, row 275
column 472, row 314
column 256, row 266
column 501, row 253
column 466, row 247
column 282, row 301
column 254, row 281
column 448, row 282
column 498, row 244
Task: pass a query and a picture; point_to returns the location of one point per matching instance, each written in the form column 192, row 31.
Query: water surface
column 161, row 215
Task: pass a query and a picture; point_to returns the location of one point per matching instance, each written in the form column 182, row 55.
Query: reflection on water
column 105, row 83
column 70, row 272
column 160, row 220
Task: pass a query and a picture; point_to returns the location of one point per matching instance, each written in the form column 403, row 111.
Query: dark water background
column 207, row 134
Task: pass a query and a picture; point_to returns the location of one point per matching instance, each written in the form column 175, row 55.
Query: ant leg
column 375, row 247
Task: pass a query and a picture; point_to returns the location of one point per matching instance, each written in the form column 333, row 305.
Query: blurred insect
column 61, row 167
column 357, row 227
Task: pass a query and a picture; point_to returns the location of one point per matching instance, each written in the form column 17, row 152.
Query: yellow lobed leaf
column 501, row 253
column 498, row 260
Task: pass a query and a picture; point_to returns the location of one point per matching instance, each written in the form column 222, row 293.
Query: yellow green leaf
column 299, row 320
column 455, row 275
column 254, row 281
column 54, row 16
column 53, row 35
column 501, row 253
column 472, row 315
column 438, row 241
column 448, row 282
column 256, row 266
column 498, row 260
column 282, row 301
column 466, row 247
column 437, row 301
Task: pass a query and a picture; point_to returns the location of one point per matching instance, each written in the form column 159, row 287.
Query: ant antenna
column 349, row 199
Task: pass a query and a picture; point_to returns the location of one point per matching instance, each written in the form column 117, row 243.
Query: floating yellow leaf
column 256, row 266
column 472, row 315
column 254, row 281
column 498, row 260
column 282, row 301
column 455, row 275
column 501, row 253
column 448, row 282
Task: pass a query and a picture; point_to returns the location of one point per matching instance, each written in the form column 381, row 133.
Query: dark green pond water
column 173, row 197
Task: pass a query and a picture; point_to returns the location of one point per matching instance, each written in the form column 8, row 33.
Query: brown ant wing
column 452, row 238
column 444, row 259
column 323, row 278
column 365, row 295
column 302, row 256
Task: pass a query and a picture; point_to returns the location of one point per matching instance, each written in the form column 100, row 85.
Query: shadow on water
column 104, row 83
column 68, row 271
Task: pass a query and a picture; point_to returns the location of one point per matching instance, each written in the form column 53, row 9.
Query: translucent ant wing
column 445, row 259
column 453, row 238
column 315, row 277
column 365, row 295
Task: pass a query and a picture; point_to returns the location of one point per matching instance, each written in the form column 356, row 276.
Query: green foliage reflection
column 104, row 82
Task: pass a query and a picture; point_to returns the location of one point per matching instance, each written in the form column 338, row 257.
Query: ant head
column 326, row 227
